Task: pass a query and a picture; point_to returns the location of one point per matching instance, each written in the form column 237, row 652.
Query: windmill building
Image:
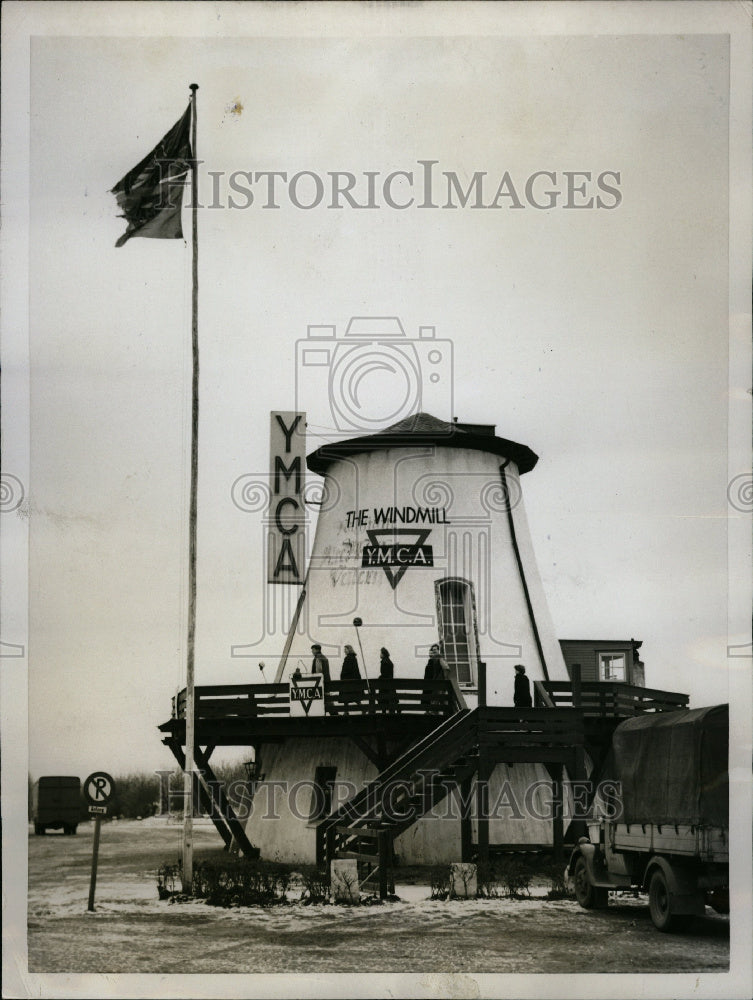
column 422, row 539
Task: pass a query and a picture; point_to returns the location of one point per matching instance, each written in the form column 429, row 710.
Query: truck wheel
column 590, row 897
column 660, row 906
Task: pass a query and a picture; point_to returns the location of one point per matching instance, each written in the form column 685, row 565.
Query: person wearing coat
column 522, row 693
column 388, row 700
column 436, row 670
column 320, row 663
column 349, row 672
column 386, row 666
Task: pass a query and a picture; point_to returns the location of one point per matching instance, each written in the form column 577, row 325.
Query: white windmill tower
column 423, row 536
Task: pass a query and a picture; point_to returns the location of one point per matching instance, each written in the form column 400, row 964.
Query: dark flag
column 151, row 195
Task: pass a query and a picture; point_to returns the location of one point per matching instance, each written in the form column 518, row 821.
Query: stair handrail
column 460, row 701
column 464, row 717
column 358, row 809
column 543, row 695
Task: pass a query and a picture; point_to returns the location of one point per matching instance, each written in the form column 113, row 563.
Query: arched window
column 457, row 627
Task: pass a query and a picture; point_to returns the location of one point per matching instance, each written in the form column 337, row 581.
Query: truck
column 56, row 804
column 664, row 830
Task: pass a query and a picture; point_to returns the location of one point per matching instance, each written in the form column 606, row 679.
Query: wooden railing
column 419, row 697
column 606, row 698
column 384, row 697
column 438, row 747
column 523, row 728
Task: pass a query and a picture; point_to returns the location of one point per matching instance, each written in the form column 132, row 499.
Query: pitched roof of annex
column 425, row 429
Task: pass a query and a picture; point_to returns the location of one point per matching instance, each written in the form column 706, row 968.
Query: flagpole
column 188, row 802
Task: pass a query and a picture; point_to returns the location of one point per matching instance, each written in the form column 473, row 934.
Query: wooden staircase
column 366, row 825
column 465, row 747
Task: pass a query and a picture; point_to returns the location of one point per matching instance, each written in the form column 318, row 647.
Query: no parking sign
column 99, row 788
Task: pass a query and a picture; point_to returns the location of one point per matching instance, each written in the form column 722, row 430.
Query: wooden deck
column 240, row 714
column 405, row 723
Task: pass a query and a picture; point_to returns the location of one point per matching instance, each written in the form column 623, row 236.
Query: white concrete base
column 343, row 875
column 464, row 882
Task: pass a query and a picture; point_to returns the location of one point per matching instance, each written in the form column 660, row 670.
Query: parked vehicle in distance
column 56, row 804
column 671, row 838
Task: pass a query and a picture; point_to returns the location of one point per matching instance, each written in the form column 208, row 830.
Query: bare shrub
column 515, row 875
column 168, row 876
column 315, row 885
column 555, row 872
column 489, row 883
column 228, row 882
column 441, row 881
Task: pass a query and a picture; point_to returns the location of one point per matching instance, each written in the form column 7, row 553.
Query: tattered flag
column 151, row 194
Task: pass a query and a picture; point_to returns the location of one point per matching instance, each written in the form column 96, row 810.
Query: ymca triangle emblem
column 396, row 549
column 307, row 695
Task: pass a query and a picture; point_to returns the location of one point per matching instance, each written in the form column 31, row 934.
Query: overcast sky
column 597, row 337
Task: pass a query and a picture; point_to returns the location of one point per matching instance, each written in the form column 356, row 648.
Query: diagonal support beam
column 226, row 808
column 203, row 795
column 367, row 750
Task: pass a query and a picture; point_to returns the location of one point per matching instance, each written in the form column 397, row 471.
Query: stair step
column 354, row 829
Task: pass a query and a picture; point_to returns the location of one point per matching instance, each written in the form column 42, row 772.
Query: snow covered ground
column 132, row 930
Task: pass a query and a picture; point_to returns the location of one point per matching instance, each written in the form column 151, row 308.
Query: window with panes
column 457, row 628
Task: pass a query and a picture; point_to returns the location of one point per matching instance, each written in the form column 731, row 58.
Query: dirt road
column 133, row 931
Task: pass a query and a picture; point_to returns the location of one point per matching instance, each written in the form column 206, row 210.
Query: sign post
column 98, row 790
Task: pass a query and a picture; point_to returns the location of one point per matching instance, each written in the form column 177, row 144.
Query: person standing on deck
column 320, row 663
column 436, row 670
column 388, row 701
column 522, row 695
column 349, row 672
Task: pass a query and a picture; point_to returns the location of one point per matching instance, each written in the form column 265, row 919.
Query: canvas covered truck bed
column 667, row 833
column 673, row 767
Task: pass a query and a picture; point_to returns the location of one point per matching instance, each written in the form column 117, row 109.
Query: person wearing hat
column 522, row 696
column 320, row 663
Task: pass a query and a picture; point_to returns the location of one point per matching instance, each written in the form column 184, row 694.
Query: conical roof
column 424, row 429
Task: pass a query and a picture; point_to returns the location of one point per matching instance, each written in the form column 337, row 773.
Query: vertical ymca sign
column 286, row 529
